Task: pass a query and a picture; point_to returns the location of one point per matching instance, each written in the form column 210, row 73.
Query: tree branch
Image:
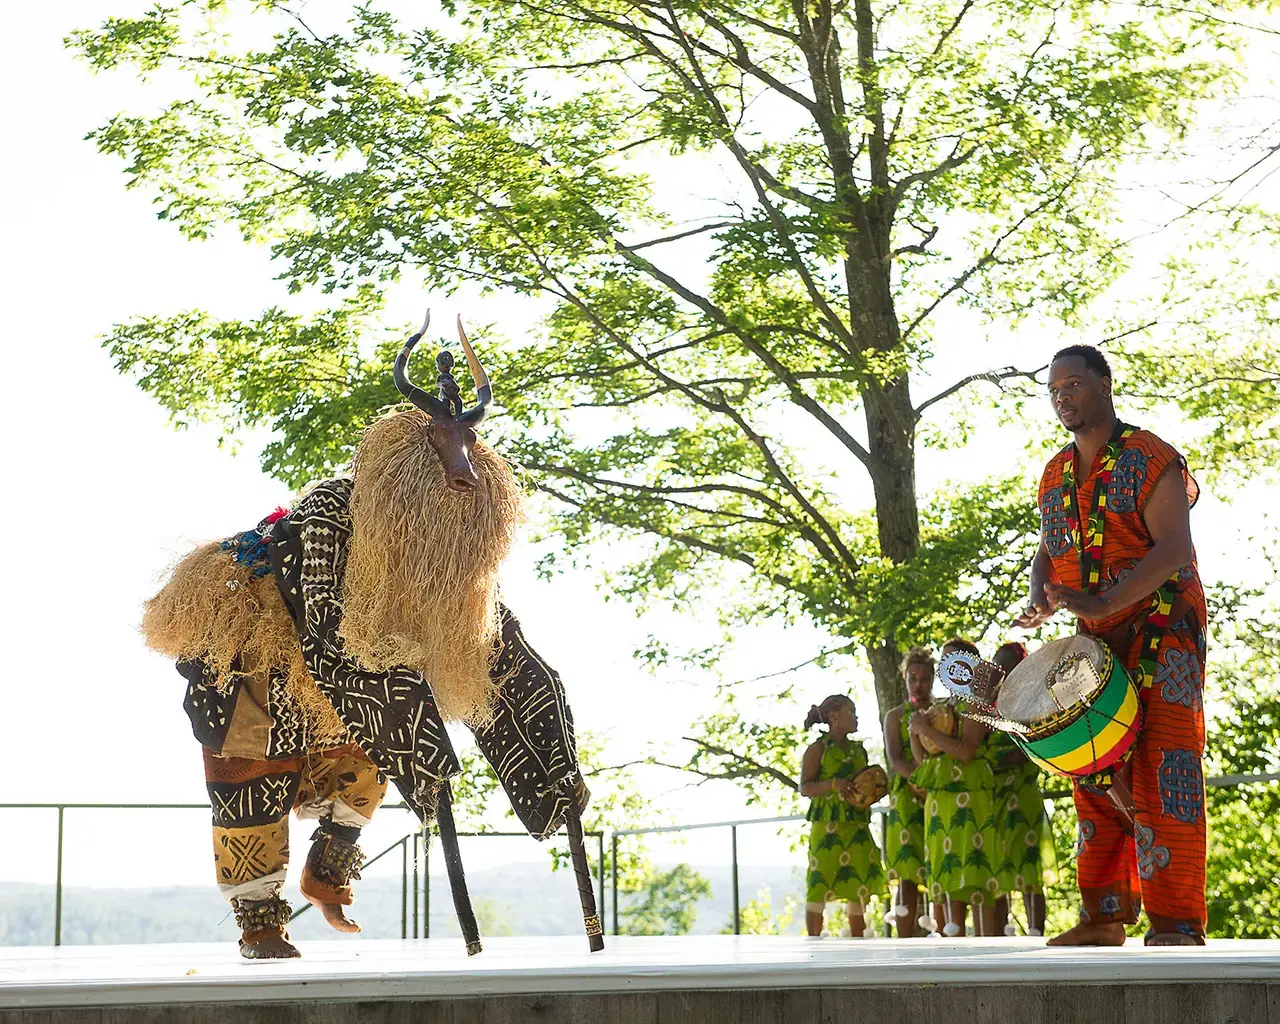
column 694, row 542
column 990, row 255
column 760, row 769
column 683, row 234
column 993, row 376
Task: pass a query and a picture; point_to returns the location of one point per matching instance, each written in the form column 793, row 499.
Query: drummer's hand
column 919, row 726
column 1037, row 613
column 843, row 787
column 1077, row 602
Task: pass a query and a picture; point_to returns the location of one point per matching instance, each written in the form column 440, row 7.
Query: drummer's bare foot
column 1088, row 934
column 1172, row 939
column 336, row 915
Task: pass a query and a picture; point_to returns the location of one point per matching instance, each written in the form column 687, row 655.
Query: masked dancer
column 325, row 649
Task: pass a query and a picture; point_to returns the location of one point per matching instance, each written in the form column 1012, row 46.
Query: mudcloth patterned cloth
column 1161, row 641
column 961, row 849
column 844, row 861
column 251, row 801
column 1027, row 862
column 388, row 721
column 393, row 715
column 904, row 824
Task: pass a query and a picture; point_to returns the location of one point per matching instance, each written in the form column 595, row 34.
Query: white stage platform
column 792, row 971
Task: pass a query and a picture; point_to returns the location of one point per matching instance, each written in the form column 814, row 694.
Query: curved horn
column 484, row 391
column 424, row 400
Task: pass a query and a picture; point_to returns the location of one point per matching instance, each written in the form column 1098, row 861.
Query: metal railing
column 414, row 847
column 415, row 878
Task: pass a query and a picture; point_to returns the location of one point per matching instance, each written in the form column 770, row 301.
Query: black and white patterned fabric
column 211, row 712
column 530, row 743
column 391, row 715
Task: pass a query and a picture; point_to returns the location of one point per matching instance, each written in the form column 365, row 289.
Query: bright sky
column 105, row 494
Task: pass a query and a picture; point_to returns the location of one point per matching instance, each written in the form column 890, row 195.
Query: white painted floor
column 390, row 969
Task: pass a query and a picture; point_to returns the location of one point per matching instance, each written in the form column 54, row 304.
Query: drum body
column 869, row 785
column 1078, row 703
column 943, row 718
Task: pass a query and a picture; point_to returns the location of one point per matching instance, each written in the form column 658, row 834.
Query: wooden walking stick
column 457, row 877
column 582, row 871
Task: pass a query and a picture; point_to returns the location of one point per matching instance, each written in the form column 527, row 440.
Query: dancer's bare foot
column 336, row 915
column 1171, row 939
column 274, row 947
column 1087, row 933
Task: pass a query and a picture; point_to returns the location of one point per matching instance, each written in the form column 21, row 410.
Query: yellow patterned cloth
column 844, row 861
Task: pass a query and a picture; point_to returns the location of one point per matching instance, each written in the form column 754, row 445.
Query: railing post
column 614, row 858
column 404, row 887
column 737, row 916
column 57, row 891
column 884, row 847
column 415, row 885
column 600, row 869
column 426, row 883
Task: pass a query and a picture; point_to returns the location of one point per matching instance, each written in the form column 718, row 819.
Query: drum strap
column 1089, row 543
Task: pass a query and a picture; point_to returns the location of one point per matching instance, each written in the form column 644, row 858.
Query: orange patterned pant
column 1162, row 865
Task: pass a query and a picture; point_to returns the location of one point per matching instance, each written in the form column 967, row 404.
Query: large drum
column 1071, row 706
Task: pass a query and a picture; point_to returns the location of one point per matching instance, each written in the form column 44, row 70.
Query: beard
column 420, row 588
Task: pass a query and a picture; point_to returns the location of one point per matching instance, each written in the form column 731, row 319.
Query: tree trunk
column 891, row 442
column 890, row 689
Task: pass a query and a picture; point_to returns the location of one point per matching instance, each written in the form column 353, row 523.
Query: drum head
column 1059, row 675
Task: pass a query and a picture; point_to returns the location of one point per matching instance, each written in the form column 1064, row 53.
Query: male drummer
column 1116, row 551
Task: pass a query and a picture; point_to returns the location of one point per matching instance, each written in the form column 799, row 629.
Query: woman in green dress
column 844, row 861
column 904, row 824
column 1023, row 834
column 960, row 835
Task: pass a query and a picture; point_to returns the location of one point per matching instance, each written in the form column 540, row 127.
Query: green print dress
column 961, row 845
column 844, row 861
column 904, row 824
column 1027, row 861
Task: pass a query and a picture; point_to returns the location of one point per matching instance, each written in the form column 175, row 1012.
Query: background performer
column 1025, row 839
column 904, row 824
column 960, row 838
column 844, row 861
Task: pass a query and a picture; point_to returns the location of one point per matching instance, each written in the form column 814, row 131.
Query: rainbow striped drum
column 1071, row 706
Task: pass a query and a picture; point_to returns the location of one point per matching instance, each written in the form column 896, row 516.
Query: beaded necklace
column 1089, row 543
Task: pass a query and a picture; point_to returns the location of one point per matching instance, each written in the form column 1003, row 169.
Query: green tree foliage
column 757, row 916
column 887, row 168
column 666, row 905
column 1244, row 739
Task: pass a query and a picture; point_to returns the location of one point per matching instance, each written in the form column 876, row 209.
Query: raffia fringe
column 213, row 610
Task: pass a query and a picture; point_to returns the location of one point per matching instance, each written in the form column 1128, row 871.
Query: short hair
column 961, row 644
column 917, row 656
column 1009, row 656
column 1093, row 359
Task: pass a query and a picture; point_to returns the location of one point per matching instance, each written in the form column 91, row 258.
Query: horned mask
column 452, row 432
